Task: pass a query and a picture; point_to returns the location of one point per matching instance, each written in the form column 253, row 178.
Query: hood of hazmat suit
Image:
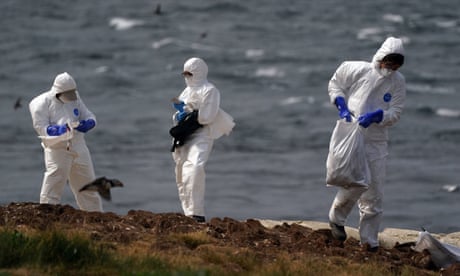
column 64, row 87
column 390, row 46
column 60, row 105
column 366, row 89
column 205, row 97
column 63, row 82
column 199, row 70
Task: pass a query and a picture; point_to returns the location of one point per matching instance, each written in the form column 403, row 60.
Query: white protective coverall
column 365, row 88
column 67, row 157
column 191, row 158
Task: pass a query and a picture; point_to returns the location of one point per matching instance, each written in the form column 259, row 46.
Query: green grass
column 49, row 249
column 56, row 253
column 52, row 252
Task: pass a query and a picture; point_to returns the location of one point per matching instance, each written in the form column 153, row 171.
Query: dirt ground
column 138, row 226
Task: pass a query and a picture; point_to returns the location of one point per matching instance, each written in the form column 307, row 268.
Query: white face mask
column 67, row 97
column 188, row 81
column 386, row 72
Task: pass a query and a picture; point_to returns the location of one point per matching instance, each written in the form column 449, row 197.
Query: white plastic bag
column 49, row 141
column 442, row 254
column 346, row 162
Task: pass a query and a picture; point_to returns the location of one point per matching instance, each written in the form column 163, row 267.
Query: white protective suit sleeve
column 396, row 106
column 209, row 106
column 85, row 113
column 344, row 77
column 40, row 115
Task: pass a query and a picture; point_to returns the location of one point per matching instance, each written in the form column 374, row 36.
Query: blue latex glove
column 56, row 130
column 179, row 106
column 343, row 109
column 181, row 115
column 85, row 125
column 371, row 117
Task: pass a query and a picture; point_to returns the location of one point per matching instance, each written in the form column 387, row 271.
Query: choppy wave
column 429, row 89
column 271, row 62
column 184, row 44
column 268, row 72
column 395, row 18
column 122, row 24
column 446, row 23
column 447, row 112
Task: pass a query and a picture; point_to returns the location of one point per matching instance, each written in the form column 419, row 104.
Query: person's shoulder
column 41, row 97
column 211, row 88
column 399, row 76
column 209, row 85
column 356, row 64
column 355, row 67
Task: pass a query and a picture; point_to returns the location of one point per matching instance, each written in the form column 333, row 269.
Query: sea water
column 271, row 61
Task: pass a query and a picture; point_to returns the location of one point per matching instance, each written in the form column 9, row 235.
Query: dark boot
column 338, row 231
column 199, row 218
column 368, row 248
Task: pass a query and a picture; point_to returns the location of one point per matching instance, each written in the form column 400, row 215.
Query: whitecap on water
column 182, row 43
column 121, row 24
column 372, row 33
column 429, row 89
column 446, row 23
column 162, row 42
column 295, row 100
column 254, row 53
column 269, row 72
column 395, row 18
column 291, row 100
column 101, row 69
column 450, row 188
column 446, row 112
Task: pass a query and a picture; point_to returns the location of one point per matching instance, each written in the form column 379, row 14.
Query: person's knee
column 371, row 206
column 194, row 166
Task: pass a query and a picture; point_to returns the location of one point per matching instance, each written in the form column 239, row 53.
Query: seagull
column 18, row 104
column 158, row 10
column 102, row 185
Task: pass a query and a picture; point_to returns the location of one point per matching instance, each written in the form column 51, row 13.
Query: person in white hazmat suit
column 191, row 158
column 373, row 93
column 61, row 120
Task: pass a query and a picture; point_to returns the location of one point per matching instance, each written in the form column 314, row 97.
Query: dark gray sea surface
column 271, row 61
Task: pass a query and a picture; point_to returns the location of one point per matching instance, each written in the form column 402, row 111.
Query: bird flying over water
column 102, row 185
column 18, row 104
column 158, row 9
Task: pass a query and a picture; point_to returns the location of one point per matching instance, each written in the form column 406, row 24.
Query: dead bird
column 102, row 185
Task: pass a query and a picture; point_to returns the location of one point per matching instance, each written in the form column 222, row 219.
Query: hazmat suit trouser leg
column 371, row 204
column 370, row 200
column 58, row 163
column 62, row 165
column 343, row 203
column 82, row 173
column 190, row 162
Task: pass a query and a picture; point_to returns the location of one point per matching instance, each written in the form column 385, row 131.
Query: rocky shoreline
column 388, row 238
column 149, row 232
